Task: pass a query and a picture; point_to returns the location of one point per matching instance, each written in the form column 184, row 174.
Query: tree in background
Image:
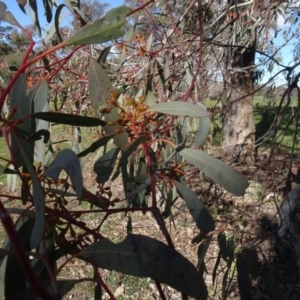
column 13, row 45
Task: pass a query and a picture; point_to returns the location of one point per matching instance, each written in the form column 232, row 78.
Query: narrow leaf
column 22, row 4
column 48, row 9
column 103, row 55
column 101, row 30
column 143, row 256
column 38, row 199
column 67, row 119
column 217, row 170
column 200, row 214
column 33, row 10
column 57, row 21
column 101, row 142
column 127, row 152
column 179, row 109
column 204, row 124
column 67, row 160
column 104, row 165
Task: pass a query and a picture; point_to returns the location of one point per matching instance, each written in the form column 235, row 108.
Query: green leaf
column 12, row 277
column 33, row 11
column 48, row 8
column 38, row 199
column 252, row 260
column 217, row 170
column 131, row 148
column 189, row 73
column 179, row 109
column 58, row 19
column 149, row 42
column 127, row 152
column 200, row 214
column 104, row 166
column 99, row 89
column 67, row 119
column 101, row 142
column 103, row 55
column 18, row 99
column 204, row 125
column 67, row 160
column 99, row 85
column 73, row 5
column 101, row 30
column 7, row 16
column 143, row 256
column 22, row 4
column 202, row 249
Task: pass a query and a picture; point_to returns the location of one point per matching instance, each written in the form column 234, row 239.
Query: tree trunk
column 238, row 133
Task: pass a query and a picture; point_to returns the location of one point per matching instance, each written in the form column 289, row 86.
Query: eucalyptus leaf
column 127, row 152
column 103, row 55
column 143, row 256
column 101, row 30
column 217, row 170
column 19, row 99
column 33, row 11
column 68, row 119
column 100, row 88
column 104, row 166
column 204, row 125
column 38, row 198
column 67, row 160
column 94, row 146
column 179, row 109
column 200, row 214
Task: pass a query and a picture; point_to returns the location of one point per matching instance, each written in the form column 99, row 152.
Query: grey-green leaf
column 102, row 30
column 200, row 214
column 38, row 199
column 94, row 146
column 217, row 170
column 179, row 109
column 105, row 165
column 68, row 119
column 33, row 11
column 143, row 256
column 99, row 89
column 204, row 124
column 67, row 160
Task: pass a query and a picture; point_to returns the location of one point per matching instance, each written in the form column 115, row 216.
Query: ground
column 246, row 221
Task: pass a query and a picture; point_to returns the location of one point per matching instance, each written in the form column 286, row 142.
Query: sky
column 23, row 19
